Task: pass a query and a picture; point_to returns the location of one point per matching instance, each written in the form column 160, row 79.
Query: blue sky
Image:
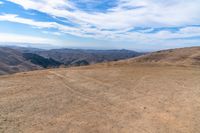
column 101, row 24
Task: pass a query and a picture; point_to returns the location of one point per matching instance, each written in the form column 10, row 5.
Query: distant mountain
column 24, row 49
column 12, row 61
column 19, row 59
column 41, row 61
column 78, row 57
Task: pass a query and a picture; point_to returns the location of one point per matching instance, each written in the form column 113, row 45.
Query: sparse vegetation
column 41, row 61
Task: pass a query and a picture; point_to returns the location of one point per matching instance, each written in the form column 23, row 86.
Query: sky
column 143, row 25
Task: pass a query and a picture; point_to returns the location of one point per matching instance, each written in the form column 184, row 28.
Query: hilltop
column 181, row 57
column 128, row 96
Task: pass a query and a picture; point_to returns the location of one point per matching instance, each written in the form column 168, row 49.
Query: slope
column 182, row 57
column 12, row 61
column 78, row 57
column 124, row 97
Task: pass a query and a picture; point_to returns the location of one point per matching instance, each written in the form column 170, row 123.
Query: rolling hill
column 130, row 96
column 19, row 59
column 41, row 61
column 78, row 57
column 12, row 61
column 181, row 56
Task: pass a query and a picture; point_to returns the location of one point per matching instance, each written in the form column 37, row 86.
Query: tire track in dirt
column 96, row 80
column 138, row 83
column 87, row 78
column 123, row 99
column 92, row 99
column 100, row 103
column 71, row 89
column 110, row 95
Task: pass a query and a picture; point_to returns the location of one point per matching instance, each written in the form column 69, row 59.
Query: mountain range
column 19, row 59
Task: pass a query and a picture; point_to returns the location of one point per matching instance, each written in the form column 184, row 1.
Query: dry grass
column 102, row 98
column 181, row 57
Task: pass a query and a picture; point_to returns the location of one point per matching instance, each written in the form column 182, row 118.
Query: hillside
column 20, row 59
column 181, row 57
column 78, row 57
column 12, row 61
column 41, row 61
column 124, row 97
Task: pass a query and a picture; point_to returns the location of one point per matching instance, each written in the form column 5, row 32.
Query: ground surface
column 102, row 98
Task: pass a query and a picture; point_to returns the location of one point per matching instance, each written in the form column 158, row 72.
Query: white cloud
column 191, row 30
column 152, row 13
column 53, row 33
column 118, row 21
column 82, row 31
column 15, row 38
column 38, row 24
column 15, row 18
column 142, row 36
column 1, row 3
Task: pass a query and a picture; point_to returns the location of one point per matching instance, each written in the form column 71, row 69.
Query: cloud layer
column 142, row 21
column 7, row 38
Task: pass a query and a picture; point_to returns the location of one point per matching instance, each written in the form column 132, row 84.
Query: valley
column 21, row 59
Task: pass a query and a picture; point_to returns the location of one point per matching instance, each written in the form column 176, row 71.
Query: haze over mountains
column 18, row 59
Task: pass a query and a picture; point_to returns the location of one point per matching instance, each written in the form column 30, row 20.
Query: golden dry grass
column 102, row 98
column 179, row 57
